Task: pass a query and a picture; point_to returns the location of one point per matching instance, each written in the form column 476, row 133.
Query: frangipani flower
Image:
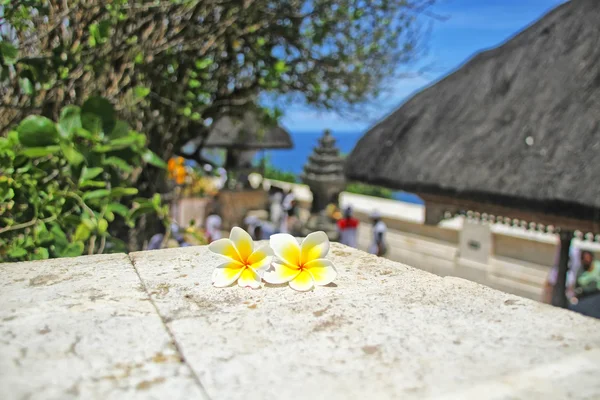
column 244, row 264
column 303, row 266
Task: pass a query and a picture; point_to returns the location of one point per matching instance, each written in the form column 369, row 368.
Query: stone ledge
column 384, row 330
column 85, row 328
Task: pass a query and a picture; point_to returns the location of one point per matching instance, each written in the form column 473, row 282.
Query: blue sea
column 293, row 160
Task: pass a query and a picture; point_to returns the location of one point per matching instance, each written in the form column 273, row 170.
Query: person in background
column 289, row 206
column 257, row 233
column 588, row 278
column 213, row 228
column 222, row 172
column 288, row 200
column 293, row 219
column 348, row 227
column 276, row 209
column 378, row 245
column 252, row 222
column 574, row 265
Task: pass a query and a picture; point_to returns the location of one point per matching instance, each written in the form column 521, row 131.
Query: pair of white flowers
column 301, row 265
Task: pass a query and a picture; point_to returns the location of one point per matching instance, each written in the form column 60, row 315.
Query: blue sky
column 471, row 26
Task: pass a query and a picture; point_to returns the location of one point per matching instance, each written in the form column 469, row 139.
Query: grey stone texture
column 150, row 325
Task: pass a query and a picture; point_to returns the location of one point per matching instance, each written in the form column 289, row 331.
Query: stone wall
column 150, row 325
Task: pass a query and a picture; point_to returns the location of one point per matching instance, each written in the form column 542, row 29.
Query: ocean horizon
column 293, row 160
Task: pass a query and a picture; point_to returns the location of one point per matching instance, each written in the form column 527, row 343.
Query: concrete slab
column 85, row 328
column 385, row 331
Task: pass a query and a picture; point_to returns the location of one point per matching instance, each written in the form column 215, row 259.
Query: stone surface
column 85, row 328
column 384, row 330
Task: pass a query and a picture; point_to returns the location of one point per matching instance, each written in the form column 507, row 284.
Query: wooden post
column 559, row 298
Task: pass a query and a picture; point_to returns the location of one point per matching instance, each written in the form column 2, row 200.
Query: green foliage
column 369, row 190
column 64, row 187
column 179, row 74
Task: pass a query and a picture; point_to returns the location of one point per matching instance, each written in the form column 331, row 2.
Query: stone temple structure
column 324, row 173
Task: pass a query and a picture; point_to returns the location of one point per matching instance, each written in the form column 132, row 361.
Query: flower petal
column 303, row 282
column 249, row 278
column 260, row 259
column 314, row 246
column 225, row 248
column 280, row 273
column 226, row 274
column 322, row 271
column 286, row 248
column 242, row 241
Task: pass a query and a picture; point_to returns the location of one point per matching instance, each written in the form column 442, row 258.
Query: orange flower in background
column 171, row 165
column 177, row 170
column 180, row 174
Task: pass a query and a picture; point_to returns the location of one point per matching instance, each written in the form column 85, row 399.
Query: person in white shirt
column 213, row 227
column 222, row 172
column 378, row 246
column 276, row 209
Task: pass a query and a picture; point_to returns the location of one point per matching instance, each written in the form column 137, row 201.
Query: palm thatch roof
column 518, row 125
column 247, row 134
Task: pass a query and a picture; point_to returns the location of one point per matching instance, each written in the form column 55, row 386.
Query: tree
column 171, row 67
column 64, row 186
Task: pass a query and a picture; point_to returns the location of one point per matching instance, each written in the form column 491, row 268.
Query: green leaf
column 35, row 152
column 91, row 123
column 40, row 253
column 27, row 86
column 127, row 141
column 140, row 92
column 17, row 252
column 121, row 129
column 73, row 250
column 121, row 191
column 96, row 184
column 151, row 158
column 110, row 216
column 280, row 66
column 139, row 211
column 102, row 226
column 36, row 131
column 194, row 83
column 102, row 108
column 89, row 223
column 118, row 208
column 83, row 133
column 156, row 200
column 118, row 163
column 70, row 120
column 60, row 238
column 82, row 233
column 96, row 194
column 73, row 156
column 90, row 173
column 9, row 53
column 203, row 63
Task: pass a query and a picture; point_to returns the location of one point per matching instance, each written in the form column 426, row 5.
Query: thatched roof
column 518, row 125
column 247, row 134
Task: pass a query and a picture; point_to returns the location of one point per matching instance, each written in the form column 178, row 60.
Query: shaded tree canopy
column 172, row 66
